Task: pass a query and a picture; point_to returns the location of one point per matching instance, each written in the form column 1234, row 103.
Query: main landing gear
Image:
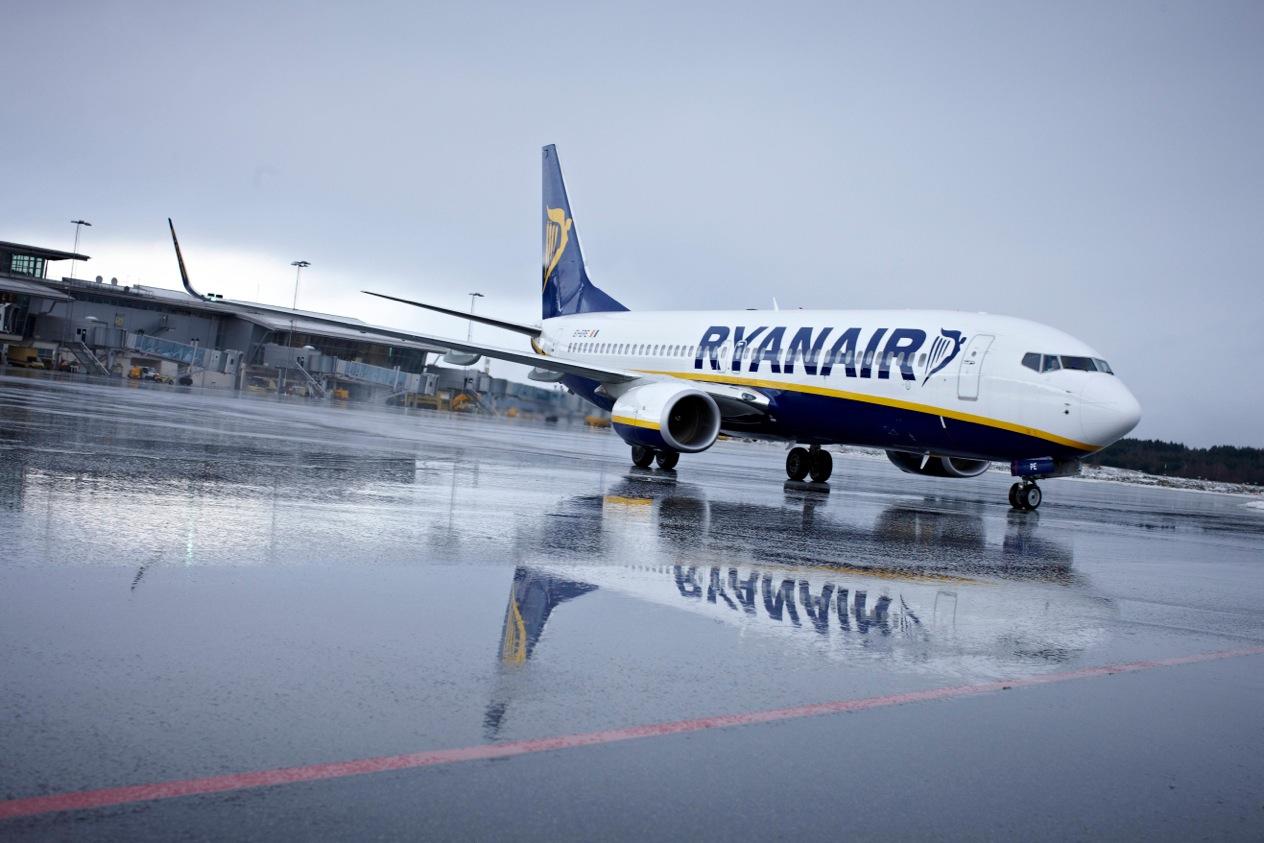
column 642, row 456
column 1025, row 496
column 814, row 461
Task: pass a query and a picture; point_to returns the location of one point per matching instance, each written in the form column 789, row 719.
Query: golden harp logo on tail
column 557, row 233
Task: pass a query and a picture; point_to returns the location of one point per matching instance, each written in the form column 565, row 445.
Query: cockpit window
column 1081, row 364
column 1053, row 362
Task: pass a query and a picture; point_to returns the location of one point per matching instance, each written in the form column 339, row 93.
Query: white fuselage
column 888, row 371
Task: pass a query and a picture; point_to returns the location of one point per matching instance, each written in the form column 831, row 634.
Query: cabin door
column 971, row 365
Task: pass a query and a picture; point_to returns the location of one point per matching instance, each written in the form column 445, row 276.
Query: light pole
column 469, row 332
column 298, row 273
column 469, row 335
column 78, row 224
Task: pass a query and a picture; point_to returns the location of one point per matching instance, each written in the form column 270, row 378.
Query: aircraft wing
column 732, row 400
column 601, row 374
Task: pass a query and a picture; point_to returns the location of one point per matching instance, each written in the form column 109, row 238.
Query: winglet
column 184, row 275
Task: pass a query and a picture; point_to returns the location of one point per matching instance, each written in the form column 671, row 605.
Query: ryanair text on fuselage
column 820, row 350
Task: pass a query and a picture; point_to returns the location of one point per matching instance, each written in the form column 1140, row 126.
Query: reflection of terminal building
column 106, row 329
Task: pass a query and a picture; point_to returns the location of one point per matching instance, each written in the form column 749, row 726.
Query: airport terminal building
column 102, row 328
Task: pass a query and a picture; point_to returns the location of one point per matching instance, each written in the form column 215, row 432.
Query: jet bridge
column 193, row 356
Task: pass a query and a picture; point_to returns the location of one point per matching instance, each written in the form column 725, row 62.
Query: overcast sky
column 1095, row 166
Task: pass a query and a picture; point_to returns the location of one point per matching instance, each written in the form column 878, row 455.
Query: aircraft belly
column 829, row 419
column 809, row 418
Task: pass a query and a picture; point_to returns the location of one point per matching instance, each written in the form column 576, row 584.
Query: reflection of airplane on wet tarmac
column 916, row 577
column 943, row 392
column 535, row 595
column 931, row 537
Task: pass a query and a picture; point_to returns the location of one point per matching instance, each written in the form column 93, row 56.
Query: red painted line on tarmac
column 111, row 796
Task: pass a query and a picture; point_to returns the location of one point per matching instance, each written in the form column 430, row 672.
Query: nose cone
column 1109, row 410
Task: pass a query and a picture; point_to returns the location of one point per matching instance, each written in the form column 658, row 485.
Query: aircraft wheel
column 667, row 459
column 1030, row 497
column 821, row 465
column 1013, row 496
column 797, row 463
column 642, row 456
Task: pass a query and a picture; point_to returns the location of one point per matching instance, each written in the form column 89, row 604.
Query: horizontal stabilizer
column 516, row 327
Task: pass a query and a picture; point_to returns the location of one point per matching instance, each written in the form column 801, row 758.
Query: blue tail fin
column 567, row 289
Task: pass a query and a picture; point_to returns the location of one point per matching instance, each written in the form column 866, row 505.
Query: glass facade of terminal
column 26, row 265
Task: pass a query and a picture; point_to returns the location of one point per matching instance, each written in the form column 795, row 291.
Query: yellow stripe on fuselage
column 631, row 422
column 715, row 377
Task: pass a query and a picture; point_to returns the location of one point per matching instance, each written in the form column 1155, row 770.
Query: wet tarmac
column 196, row 588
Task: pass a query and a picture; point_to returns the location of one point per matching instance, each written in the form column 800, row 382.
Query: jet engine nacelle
column 667, row 416
column 933, row 466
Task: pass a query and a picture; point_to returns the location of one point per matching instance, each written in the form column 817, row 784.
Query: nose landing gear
column 1025, row 496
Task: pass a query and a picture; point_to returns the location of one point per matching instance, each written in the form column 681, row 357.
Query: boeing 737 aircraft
column 944, row 393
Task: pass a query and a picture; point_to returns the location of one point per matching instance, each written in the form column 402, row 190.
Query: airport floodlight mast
column 78, row 224
column 469, row 334
column 298, row 272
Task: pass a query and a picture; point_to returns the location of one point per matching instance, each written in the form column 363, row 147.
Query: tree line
column 1223, row 463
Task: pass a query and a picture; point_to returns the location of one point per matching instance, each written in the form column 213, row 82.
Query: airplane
column 944, row 393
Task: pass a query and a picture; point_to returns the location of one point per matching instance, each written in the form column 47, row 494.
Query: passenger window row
column 633, row 349
column 848, row 358
column 1052, row 362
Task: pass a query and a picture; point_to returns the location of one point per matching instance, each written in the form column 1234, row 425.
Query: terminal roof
column 40, row 252
column 9, row 284
column 272, row 317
